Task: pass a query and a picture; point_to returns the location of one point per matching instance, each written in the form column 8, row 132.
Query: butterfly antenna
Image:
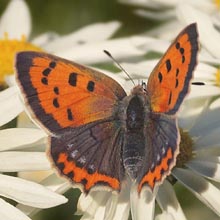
column 119, row 65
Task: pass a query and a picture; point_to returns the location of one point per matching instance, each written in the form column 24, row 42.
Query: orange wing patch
column 156, row 175
column 169, row 82
column 81, row 175
column 65, row 88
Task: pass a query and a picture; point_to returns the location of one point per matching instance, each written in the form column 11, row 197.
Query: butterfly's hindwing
column 161, row 148
column 90, row 155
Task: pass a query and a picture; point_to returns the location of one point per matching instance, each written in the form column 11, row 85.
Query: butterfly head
column 140, row 89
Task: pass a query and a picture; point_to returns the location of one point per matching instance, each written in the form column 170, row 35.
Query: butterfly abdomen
column 133, row 149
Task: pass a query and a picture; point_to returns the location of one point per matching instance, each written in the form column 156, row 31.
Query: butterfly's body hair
column 134, row 108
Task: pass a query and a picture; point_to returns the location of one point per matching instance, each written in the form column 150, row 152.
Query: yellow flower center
column 217, row 2
column 186, row 149
column 8, row 49
column 186, row 153
column 217, row 77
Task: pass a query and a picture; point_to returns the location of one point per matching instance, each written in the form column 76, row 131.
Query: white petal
column 29, row 193
column 161, row 16
column 204, row 5
column 24, row 121
column 165, row 216
column 140, row 69
column 16, row 20
column 44, row 39
column 206, row 57
column 209, row 152
column 9, row 212
column 23, row 161
column 35, row 176
column 205, row 27
column 118, row 206
column 101, row 205
column 140, row 202
column 11, row 105
column 15, row 138
column 168, row 202
column 208, row 140
column 206, row 91
column 10, row 80
column 111, row 206
column 89, row 34
column 190, row 111
column 56, row 184
column 200, row 187
column 167, row 30
column 141, row 3
column 212, row 159
column 204, row 72
column 207, row 169
column 92, row 206
column 52, row 182
column 206, row 122
column 119, row 48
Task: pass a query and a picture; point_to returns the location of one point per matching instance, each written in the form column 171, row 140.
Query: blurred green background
column 66, row 16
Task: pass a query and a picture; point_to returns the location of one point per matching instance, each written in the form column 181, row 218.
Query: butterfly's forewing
column 167, row 86
column 63, row 94
column 77, row 106
column 169, row 82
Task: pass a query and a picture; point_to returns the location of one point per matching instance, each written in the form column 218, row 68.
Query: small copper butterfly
column 98, row 134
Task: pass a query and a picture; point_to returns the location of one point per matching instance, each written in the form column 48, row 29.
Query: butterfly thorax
column 134, row 116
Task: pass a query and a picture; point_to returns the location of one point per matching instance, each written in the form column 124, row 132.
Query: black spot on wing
column 56, row 103
column 170, row 98
column 160, row 77
column 56, row 90
column 72, row 79
column 44, row 80
column 46, row 72
column 168, row 65
column 69, row 114
column 91, row 86
column 84, row 181
column 183, row 59
column 177, row 45
column 182, row 50
column 52, row 64
column 177, row 82
column 60, row 166
column 70, row 174
column 177, row 72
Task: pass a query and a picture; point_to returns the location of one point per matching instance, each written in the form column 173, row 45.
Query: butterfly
column 99, row 135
